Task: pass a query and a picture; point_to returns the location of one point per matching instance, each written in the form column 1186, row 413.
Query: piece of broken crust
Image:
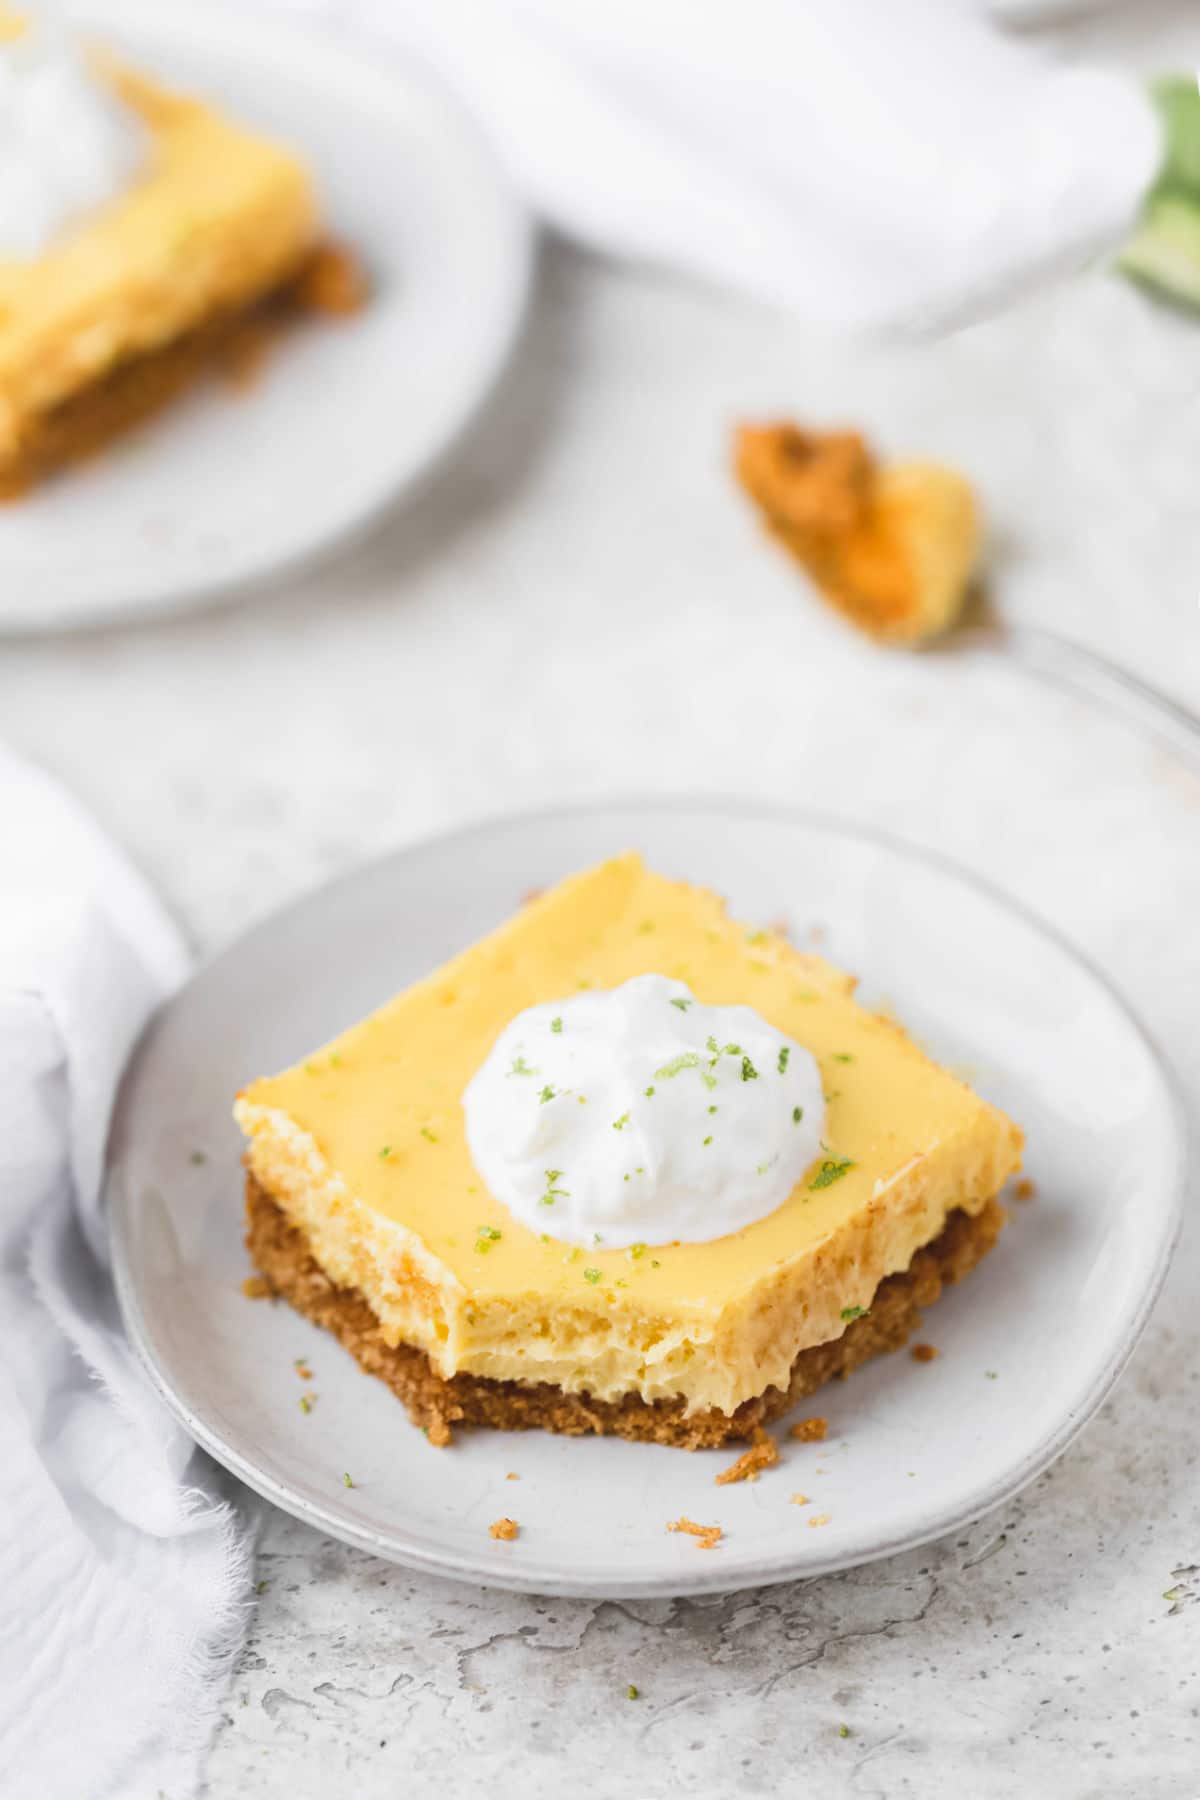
column 707, row 1536
column 762, row 1454
column 811, row 1431
column 894, row 546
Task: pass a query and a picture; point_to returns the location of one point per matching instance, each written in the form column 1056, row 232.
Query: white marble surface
column 581, row 607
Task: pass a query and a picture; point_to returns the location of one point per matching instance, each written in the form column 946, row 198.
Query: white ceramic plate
column 228, row 488
column 1030, row 1344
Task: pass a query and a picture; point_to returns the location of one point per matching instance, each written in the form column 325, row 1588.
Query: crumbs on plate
column 707, row 1536
column 810, row 1431
column 762, row 1454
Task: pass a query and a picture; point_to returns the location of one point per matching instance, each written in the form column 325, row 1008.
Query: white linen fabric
column 875, row 167
column 124, row 1585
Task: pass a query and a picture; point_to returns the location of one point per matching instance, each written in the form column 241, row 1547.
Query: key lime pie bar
column 141, row 235
column 623, row 1166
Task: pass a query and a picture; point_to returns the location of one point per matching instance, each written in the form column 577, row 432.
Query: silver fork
column 1066, row 664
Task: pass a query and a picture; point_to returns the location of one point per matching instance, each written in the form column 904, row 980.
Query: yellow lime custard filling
column 363, row 1144
column 215, row 217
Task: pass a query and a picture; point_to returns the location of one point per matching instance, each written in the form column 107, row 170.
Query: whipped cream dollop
column 67, row 144
column 641, row 1116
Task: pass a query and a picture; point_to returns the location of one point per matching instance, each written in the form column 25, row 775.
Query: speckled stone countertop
column 556, row 620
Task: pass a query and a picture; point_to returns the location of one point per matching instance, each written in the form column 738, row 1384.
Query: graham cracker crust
column 232, row 346
column 435, row 1403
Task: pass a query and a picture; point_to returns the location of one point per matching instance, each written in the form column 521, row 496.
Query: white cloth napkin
column 122, row 1588
column 874, row 164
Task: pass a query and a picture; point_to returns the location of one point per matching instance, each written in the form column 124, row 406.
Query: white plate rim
column 706, row 1577
column 271, row 37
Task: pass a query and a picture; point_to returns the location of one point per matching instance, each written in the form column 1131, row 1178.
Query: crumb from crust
column 707, row 1536
column 257, row 1287
column 505, row 1529
column 894, row 547
column 512, row 1476
column 810, row 1431
column 333, row 282
column 924, row 1353
column 762, row 1454
column 436, row 1403
column 799, row 1499
column 302, row 1369
column 819, row 1519
column 1026, row 1189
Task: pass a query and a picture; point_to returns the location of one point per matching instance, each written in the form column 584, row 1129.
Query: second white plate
column 227, row 489
column 1030, row 1343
